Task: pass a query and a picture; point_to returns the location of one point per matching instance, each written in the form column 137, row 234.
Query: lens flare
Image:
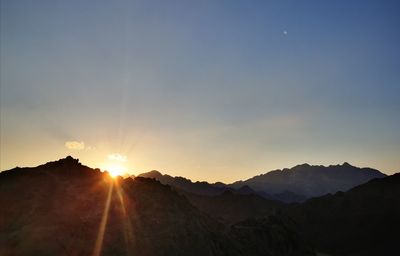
column 115, row 170
column 103, row 223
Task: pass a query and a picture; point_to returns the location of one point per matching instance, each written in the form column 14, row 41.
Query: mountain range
column 287, row 185
column 66, row 208
column 362, row 221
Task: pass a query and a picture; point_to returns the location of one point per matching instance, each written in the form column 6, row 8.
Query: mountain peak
column 300, row 166
column 311, row 180
column 67, row 161
column 346, row 164
column 151, row 174
column 246, row 190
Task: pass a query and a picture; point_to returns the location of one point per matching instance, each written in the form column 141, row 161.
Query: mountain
column 288, row 185
column 287, row 197
column 362, row 221
column 66, row 208
column 305, row 181
column 180, row 183
column 231, row 207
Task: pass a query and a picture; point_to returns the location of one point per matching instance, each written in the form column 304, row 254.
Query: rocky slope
column 231, row 208
column 65, row 208
column 181, row 183
column 362, row 221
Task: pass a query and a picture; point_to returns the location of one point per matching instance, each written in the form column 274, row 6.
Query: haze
column 209, row 90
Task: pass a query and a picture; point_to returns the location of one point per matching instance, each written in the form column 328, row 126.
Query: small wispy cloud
column 75, row 145
column 117, row 157
column 90, row 148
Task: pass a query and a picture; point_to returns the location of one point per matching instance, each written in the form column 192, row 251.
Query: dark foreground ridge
column 65, row 208
column 362, row 221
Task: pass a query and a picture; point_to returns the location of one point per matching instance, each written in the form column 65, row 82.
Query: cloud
column 75, row 145
column 117, row 157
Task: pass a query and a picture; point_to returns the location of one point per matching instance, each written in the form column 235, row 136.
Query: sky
column 209, row 90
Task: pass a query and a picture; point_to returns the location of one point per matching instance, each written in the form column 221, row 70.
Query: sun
column 115, row 164
column 115, row 170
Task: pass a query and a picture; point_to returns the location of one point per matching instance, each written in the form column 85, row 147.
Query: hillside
column 65, row 208
column 288, row 185
column 181, row 183
column 231, row 208
column 362, row 221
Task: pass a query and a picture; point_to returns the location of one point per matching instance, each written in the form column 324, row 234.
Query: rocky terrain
column 66, row 208
column 362, row 221
column 288, row 185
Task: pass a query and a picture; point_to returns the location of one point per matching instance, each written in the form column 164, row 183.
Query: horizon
column 199, row 127
column 128, row 174
column 208, row 90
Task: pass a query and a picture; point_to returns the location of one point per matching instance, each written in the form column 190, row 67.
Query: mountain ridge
column 286, row 185
column 66, row 208
column 361, row 221
column 311, row 180
column 289, row 185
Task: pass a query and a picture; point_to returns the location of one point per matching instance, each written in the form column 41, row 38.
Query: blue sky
column 211, row 90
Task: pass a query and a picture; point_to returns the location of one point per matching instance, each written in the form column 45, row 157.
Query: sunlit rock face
column 65, row 208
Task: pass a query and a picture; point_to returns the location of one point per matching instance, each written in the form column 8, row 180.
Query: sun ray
column 114, row 169
column 127, row 224
column 103, row 223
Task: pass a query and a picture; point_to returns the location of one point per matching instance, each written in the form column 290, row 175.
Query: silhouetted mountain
column 362, row 221
column 245, row 190
column 288, row 197
column 260, row 235
column 180, row 183
column 65, row 208
column 305, row 181
column 231, row 207
column 288, row 185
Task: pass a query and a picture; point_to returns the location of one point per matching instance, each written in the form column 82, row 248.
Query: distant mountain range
column 288, row 185
column 181, row 183
column 311, row 180
column 65, row 208
column 362, row 221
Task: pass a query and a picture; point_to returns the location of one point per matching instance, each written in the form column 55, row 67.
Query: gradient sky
column 210, row 90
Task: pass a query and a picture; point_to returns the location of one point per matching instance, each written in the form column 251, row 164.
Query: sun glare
column 115, row 170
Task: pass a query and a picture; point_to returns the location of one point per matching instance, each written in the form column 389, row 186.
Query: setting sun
column 115, row 170
column 115, row 164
